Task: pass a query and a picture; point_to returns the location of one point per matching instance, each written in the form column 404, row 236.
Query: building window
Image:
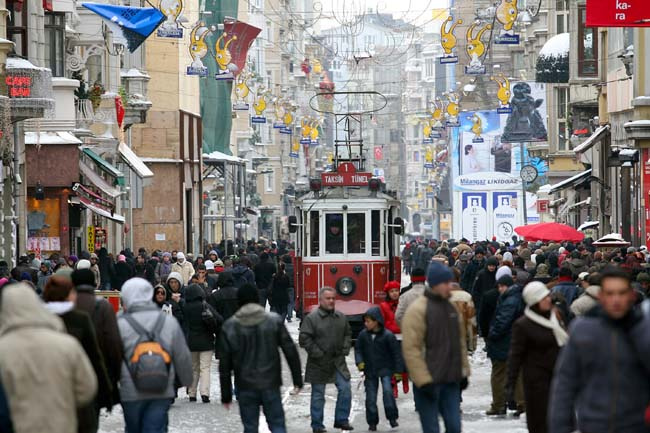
column 17, row 26
column 561, row 16
column 429, row 67
column 518, row 61
column 587, row 47
column 269, row 181
column 562, row 98
column 55, row 43
column 416, row 156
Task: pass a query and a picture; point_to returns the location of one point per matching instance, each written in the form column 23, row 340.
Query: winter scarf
column 553, row 324
column 165, row 268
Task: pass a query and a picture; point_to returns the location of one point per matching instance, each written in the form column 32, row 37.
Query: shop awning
column 572, row 181
column 593, row 139
column 98, row 181
column 102, row 212
column 105, row 165
column 588, row 225
column 217, row 156
column 134, row 161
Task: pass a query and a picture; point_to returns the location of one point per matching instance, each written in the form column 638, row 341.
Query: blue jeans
column 372, row 390
column 444, row 401
column 343, row 402
column 249, row 409
column 106, row 286
column 292, row 303
column 146, row 416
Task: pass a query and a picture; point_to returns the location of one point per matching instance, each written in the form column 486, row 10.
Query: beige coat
column 45, row 372
column 406, row 300
column 186, row 270
column 465, row 306
column 414, row 334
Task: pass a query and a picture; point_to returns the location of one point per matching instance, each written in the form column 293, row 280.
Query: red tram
column 347, row 237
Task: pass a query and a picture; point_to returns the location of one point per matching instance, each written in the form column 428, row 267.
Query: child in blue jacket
column 377, row 355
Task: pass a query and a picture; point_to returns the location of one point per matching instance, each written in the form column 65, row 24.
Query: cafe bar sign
column 618, row 13
column 18, row 86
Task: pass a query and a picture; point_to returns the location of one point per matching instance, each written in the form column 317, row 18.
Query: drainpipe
column 15, row 194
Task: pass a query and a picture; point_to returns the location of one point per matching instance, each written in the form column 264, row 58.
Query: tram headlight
column 345, row 286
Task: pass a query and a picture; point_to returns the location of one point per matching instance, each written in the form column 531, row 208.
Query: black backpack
column 150, row 362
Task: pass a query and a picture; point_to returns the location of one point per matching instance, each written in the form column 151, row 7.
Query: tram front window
column 356, row 233
column 334, row 234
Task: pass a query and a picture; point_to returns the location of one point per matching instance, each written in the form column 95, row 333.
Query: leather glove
column 464, row 383
column 361, row 366
column 397, row 377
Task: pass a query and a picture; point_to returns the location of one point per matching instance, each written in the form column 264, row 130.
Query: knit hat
column 213, row 252
column 25, row 276
column 525, row 254
column 492, row 261
column 94, row 256
column 247, row 294
column 209, row 265
column 121, row 258
column 507, row 256
column 631, row 250
column 390, row 286
column 542, row 270
column 83, row 280
column 180, row 256
column 535, row 292
column 505, row 280
column 503, row 270
column 582, row 276
column 83, row 264
column 438, row 273
column 218, row 264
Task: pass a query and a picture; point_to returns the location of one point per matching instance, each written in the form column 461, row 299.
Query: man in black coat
column 248, row 345
column 144, row 270
column 471, row 271
column 264, row 271
column 489, row 304
column 224, row 299
column 485, row 281
column 108, row 334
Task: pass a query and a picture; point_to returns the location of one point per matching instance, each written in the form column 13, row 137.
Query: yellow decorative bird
column 305, row 128
column 452, row 107
column 223, row 56
column 477, row 125
column 507, row 13
column 475, row 46
column 260, row 104
column 198, row 48
column 314, row 131
column 503, row 94
column 171, row 9
column 447, row 37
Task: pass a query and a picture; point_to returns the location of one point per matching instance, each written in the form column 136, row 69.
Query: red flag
column 119, row 110
column 238, row 48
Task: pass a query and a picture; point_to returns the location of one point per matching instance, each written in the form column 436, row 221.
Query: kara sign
column 346, row 176
column 617, row 13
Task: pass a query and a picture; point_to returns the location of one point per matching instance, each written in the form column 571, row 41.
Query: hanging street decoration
column 437, row 116
column 198, row 49
column 242, row 90
column 477, row 128
column 130, row 25
column 379, row 153
column 260, row 104
column 506, row 15
column 428, row 157
column 295, row 148
column 278, row 111
column 171, row 28
column 426, row 131
column 476, row 49
column 449, row 41
column 453, row 109
column 314, row 133
column 503, row 94
column 305, row 130
column 231, row 48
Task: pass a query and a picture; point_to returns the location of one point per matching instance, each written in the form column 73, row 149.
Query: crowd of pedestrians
column 564, row 326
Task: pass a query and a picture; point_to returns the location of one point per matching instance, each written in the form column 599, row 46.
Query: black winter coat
column 510, row 307
column 470, row 273
column 485, row 280
column 200, row 336
column 177, row 307
column 79, row 325
column 280, row 290
column 264, row 274
column 248, row 345
column 487, row 310
column 123, row 271
column 534, row 350
column 381, row 355
column 108, row 338
column 106, row 267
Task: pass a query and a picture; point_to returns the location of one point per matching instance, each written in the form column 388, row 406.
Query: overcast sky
column 414, row 11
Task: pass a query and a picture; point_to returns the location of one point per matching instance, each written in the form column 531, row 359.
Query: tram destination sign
column 346, row 175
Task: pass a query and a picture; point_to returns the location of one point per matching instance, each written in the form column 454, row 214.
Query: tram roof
column 347, row 195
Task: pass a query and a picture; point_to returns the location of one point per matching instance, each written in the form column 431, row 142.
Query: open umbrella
column 550, row 232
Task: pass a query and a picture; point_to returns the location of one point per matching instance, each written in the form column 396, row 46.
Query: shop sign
column 18, row 86
column 91, row 239
column 346, row 176
column 617, row 13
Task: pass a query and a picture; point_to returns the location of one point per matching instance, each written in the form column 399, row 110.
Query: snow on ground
column 213, row 417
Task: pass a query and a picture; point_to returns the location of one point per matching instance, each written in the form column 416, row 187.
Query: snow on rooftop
column 133, row 73
column 18, row 63
column 557, row 46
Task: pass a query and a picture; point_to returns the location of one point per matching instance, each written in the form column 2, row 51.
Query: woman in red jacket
column 389, row 306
